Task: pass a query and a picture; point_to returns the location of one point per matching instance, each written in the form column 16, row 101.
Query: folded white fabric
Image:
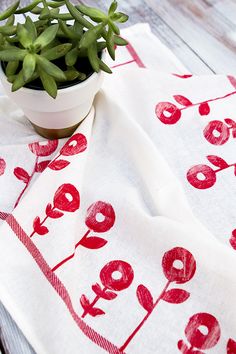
column 102, row 252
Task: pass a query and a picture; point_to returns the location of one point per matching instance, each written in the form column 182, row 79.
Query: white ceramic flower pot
column 56, row 118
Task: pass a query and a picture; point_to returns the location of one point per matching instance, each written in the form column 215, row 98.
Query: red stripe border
column 58, row 285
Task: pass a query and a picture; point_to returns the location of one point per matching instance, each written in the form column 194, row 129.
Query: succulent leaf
column 93, row 57
column 57, row 52
column 91, row 36
column 104, row 67
column 12, row 67
column 18, row 82
column 31, row 28
column 47, row 36
column 12, row 54
column 24, row 36
column 9, row 11
column 92, row 12
column 28, row 7
column 113, row 8
column 29, row 65
column 49, row 83
column 50, row 68
column 77, row 15
column 8, row 30
column 71, row 57
column 110, row 44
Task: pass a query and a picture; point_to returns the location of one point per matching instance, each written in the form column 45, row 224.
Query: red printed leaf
column 182, row 100
column 232, row 80
column 97, row 289
column 54, row 214
column 231, row 346
column 48, row 208
column 2, row 166
column 40, row 167
column 94, row 311
column 38, row 228
column 217, row 161
column 145, row 298
column 21, row 174
column 204, row 109
column 108, row 295
column 93, row 242
column 58, row 165
column 175, row 296
column 230, row 122
column 85, row 303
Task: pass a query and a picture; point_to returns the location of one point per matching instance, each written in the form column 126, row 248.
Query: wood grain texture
column 201, row 33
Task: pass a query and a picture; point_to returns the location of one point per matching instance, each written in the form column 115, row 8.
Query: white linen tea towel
column 103, row 253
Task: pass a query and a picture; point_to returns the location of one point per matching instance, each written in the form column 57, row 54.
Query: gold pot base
column 55, row 133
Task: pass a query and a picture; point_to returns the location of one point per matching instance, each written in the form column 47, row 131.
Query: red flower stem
column 224, row 168
column 211, row 100
column 72, row 255
column 86, row 311
column 46, row 217
column 27, row 184
column 122, row 64
column 144, row 319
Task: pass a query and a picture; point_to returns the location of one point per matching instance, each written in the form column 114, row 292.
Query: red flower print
column 107, row 213
column 124, row 280
column 231, row 346
column 179, row 275
column 67, row 198
column 218, row 133
column 168, row 113
column 194, row 334
column 2, row 166
column 116, row 276
column 42, row 148
column 203, row 176
column 75, row 145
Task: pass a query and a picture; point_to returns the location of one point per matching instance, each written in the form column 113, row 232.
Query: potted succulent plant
column 52, row 65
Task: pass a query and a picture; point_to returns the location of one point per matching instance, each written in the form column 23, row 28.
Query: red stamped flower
column 201, row 176
column 107, row 214
column 193, row 331
column 124, row 279
column 216, row 132
column 67, row 198
column 76, row 144
column 43, row 148
column 115, row 276
column 185, row 272
column 167, row 112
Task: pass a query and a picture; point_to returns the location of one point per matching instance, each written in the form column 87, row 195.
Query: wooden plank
column 203, row 28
